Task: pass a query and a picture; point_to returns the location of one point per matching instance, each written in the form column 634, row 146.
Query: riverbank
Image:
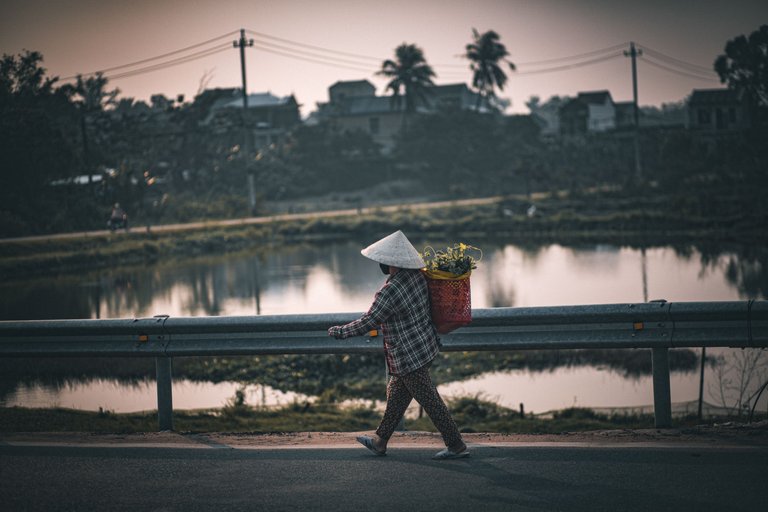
column 714, row 434
column 471, row 414
column 597, row 217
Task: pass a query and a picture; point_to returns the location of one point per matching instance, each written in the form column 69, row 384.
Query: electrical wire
column 150, row 59
column 549, row 61
column 368, row 58
column 568, row 66
column 171, row 63
column 312, row 60
column 313, row 47
column 679, row 72
column 313, row 57
column 435, row 66
column 309, row 54
column 573, row 57
column 677, row 62
column 342, row 59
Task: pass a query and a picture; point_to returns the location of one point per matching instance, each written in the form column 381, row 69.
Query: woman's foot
column 452, row 453
column 375, row 444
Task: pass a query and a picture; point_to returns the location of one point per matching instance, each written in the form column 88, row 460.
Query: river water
column 326, row 278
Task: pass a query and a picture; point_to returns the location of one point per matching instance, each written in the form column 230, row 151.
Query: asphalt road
column 526, row 478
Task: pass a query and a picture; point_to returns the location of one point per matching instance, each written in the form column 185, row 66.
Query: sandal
column 448, row 454
column 368, row 443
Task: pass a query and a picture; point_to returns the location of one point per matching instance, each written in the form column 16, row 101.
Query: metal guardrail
column 656, row 325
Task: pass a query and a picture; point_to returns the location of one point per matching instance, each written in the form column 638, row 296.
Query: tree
column 454, row 151
column 91, row 93
column 91, row 97
column 409, row 73
column 744, row 66
column 35, row 146
column 22, row 76
column 485, row 53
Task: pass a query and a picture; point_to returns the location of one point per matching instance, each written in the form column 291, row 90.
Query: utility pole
column 242, row 43
column 634, row 52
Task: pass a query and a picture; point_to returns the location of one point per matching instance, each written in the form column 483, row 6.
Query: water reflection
column 335, row 278
column 326, row 278
column 141, row 396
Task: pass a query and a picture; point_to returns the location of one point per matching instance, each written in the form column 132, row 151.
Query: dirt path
column 190, row 226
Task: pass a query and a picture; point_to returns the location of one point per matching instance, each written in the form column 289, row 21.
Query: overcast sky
column 81, row 36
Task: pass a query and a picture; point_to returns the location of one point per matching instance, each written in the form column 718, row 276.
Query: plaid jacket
column 401, row 308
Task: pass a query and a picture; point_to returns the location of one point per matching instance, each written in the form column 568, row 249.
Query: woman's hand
column 335, row 331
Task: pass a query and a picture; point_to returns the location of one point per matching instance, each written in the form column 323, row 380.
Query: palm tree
column 485, row 53
column 91, row 97
column 410, row 73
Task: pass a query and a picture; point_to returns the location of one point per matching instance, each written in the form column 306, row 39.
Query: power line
column 310, row 54
column 150, row 59
column 358, row 56
column 312, row 60
column 380, row 59
column 568, row 66
column 343, row 60
column 678, row 62
column 313, row 47
column 679, row 72
column 573, row 57
column 171, row 63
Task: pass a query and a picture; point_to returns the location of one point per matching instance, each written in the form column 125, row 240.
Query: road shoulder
column 718, row 435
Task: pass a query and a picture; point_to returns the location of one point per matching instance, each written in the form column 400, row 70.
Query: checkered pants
column 401, row 389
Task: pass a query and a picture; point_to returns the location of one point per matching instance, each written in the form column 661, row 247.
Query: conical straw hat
column 394, row 250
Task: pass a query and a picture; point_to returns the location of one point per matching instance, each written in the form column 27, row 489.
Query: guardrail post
column 662, row 399
column 164, row 393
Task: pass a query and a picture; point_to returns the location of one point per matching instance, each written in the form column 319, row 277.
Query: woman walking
column 401, row 310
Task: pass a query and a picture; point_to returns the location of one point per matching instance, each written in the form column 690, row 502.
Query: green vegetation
column 593, row 216
column 471, row 414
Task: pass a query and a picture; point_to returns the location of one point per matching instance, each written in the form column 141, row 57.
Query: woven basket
column 450, row 299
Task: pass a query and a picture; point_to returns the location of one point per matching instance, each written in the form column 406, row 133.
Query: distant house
column 268, row 117
column 589, row 112
column 625, row 114
column 354, row 106
column 715, row 111
column 339, row 91
column 547, row 115
column 455, row 96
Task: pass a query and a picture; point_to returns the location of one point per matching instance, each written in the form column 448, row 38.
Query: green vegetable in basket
column 453, row 260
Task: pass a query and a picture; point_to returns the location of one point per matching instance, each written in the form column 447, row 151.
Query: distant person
column 118, row 218
column 401, row 310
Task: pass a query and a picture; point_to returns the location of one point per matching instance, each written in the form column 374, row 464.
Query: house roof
column 365, row 105
column 351, row 82
column 573, row 105
column 592, row 97
column 449, row 89
column 713, row 96
column 261, row 99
